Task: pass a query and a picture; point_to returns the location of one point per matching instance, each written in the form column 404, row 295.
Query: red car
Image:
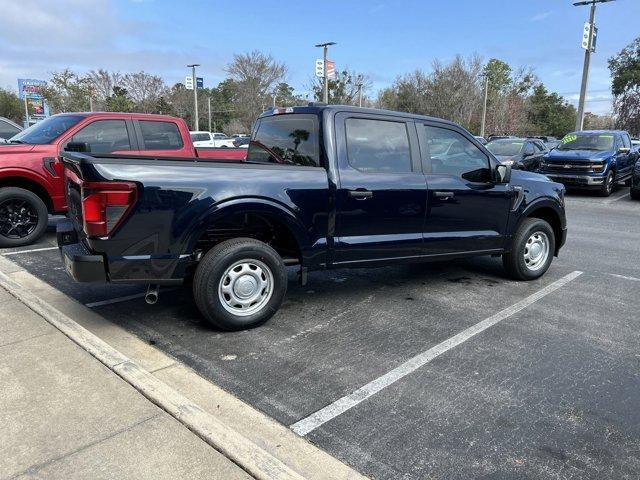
column 31, row 180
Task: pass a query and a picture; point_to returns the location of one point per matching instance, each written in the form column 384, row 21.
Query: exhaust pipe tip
column 152, row 294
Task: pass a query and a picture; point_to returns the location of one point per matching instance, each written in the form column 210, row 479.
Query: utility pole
column 587, row 59
column 484, row 105
column 325, row 86
column 209, row 103
column 360, row 94
column 194, row 79
column 26, row 111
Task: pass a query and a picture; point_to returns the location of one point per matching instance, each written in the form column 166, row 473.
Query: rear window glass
column 160, row 135
column 200, row 137
column 289, row 140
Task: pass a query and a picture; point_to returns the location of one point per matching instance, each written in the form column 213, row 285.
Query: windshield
column 504, row 148
column 578, row 141
column 47, row 130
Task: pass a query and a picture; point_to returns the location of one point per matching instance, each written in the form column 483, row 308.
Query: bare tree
column 102, row 83
column 256, row 74
column 145, row 90
column 450, row 91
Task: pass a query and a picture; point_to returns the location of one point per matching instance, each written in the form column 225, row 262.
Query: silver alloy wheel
column 536, row 251
column 246, row 287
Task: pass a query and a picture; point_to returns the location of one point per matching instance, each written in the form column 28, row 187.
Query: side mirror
column 503, row 173
column 82, row 147
column 624, row 150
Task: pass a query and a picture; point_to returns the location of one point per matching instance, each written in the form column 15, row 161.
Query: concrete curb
column 246, row 454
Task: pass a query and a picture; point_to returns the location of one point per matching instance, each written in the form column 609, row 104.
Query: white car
column 211, row 139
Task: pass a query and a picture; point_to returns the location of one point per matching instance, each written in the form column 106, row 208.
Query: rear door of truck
column 382, row 193
column 162, row 137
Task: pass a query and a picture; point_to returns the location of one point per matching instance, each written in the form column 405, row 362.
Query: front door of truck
column 467, row 211
column 381, row 193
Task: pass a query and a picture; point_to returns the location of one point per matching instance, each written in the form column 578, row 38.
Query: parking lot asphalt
column 549, row 390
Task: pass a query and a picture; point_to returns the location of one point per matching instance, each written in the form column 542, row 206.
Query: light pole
column 196, row 123
column 587, row 59
column 209, row 104
column 325, row 87
column 484, row 104
column 359, row 94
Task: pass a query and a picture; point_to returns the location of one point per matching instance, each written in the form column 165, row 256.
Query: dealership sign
column 30, row 91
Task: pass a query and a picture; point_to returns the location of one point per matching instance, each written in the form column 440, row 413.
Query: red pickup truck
column 31, row 179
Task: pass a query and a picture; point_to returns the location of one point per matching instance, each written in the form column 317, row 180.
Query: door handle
column 360, row 194
column 444, row 195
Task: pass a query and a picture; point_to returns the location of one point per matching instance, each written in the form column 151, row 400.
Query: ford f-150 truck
column 31, row 182
column 591, row 159
column 322, row 187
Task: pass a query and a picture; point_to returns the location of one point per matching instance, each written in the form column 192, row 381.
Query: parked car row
column 591, row 159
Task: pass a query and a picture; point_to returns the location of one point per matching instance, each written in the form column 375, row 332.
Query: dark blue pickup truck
column 322, row 187
column 591, row 159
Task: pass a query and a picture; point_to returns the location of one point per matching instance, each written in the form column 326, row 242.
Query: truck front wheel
column 240, row 284
column 608, row 185
column 532, row 250
column 23, row 217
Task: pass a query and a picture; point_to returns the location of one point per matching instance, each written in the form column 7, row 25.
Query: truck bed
column 184, row 203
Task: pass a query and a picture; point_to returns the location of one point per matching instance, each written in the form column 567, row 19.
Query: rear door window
column 287, row 140
column 378, row 146
column 104, row 136
column 158, row 135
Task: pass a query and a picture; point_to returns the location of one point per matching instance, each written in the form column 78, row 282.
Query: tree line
column 518, row 103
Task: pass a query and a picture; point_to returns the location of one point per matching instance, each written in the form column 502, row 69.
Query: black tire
column 608, row 185
column 515, row 263
column 213, row 269
column 23, row 217
column 635, row 193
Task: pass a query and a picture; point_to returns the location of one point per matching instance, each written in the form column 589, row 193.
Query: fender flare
column 257, row 205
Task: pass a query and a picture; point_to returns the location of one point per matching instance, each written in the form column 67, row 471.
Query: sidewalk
column 64, row 415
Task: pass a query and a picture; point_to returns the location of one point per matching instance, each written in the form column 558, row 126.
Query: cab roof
column 317, row 108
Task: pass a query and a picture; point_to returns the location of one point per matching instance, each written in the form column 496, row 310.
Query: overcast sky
column 382, row 39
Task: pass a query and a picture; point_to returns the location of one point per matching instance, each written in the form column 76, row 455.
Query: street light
column 587, row 59
column 484, row 105
column 194, row 81
column 325, row 88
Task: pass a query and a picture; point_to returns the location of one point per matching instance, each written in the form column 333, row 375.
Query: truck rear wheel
column 23, row 217
column 532, row 250
column 240, row 284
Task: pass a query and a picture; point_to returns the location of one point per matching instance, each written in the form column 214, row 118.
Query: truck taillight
column 105, row 205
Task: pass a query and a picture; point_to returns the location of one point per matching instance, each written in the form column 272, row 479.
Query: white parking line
column 607, row 202
column 331, row 411
column 29, row 251
column 624, row 277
